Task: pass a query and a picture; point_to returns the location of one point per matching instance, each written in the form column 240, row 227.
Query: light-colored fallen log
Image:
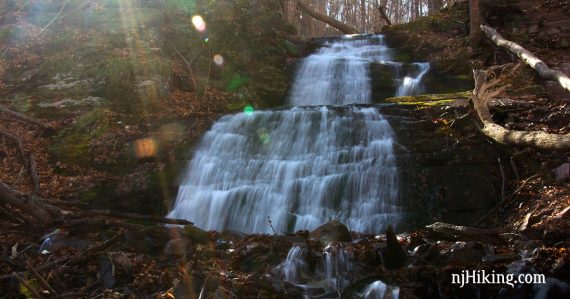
column 543, row 70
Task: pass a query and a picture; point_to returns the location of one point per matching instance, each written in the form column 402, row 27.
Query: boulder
column 332, row 231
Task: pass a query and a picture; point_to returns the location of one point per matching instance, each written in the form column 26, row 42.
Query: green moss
column 431, row 99
column 72, row 144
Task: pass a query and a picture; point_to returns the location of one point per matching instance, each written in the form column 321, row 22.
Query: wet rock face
column 448, row 171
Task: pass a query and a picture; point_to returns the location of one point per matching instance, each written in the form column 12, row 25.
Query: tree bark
column 344, row 28
column 536, row 139
column 474, row 23
column 289, row 8
column 525, row 55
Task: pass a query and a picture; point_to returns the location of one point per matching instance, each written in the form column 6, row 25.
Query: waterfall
column 302, row 166
column 338, row 73
column 411, row 85
column 332, row 272
column 380, row 290
column 294, row 265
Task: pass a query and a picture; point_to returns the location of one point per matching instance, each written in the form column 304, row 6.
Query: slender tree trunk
column 289, row 8
column 474, row 23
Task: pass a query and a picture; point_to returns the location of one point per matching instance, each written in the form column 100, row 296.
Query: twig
column 28, row 286
column 504, row 179
column 33, row 173
column 188, row 64
column 41, row 280
column 505, row 200
column 52, row 20
column 514, row 167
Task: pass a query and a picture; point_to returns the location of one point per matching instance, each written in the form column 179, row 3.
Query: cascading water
column 380, row 290
column 411, row 85
column 303, row 166
column 300, row 167
column 332, row 272
column 338, row 73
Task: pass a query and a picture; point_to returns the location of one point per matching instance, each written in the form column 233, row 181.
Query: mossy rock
column 72, row 144
column 448, row 99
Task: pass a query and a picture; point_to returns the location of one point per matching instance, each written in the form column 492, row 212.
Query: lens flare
column 248, row 110
column 218, row 59
column 199, row 23
column 145, row 148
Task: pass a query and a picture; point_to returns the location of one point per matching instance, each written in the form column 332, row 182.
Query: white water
column 380, row 290
column 338, row 73
column 304, row 166
column 412, row 85
column 332, row 272
column 300, row 167
column 294, row 265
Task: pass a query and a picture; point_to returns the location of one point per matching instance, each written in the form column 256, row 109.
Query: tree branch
column 344, row 28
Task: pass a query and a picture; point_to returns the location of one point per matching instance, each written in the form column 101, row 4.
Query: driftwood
column 483, row 93
column 23, row 117
column 543, row 70
column 446, row 231
column 382, row 10
column 27, row 205
column 342, row 27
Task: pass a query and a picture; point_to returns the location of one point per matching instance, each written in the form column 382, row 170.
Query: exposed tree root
column 484, row 91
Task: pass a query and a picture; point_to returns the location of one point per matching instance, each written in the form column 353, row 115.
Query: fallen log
column 27, row 205
column 344, row 28
column 134, row 216
column 482, row 94
column 450, row 232
column 543, row 70
column 23, row 117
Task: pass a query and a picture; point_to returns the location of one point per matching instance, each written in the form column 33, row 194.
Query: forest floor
column 88, row 255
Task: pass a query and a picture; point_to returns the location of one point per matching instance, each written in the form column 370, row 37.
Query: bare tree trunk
column 474, row 23
column 289, row 8
column 543, row 70
column 344, row 28
column 382, row 10
column 363, row 24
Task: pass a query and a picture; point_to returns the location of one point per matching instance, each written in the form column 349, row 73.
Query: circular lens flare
column 218, row 59
column 199, row 23
column 248, row 110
